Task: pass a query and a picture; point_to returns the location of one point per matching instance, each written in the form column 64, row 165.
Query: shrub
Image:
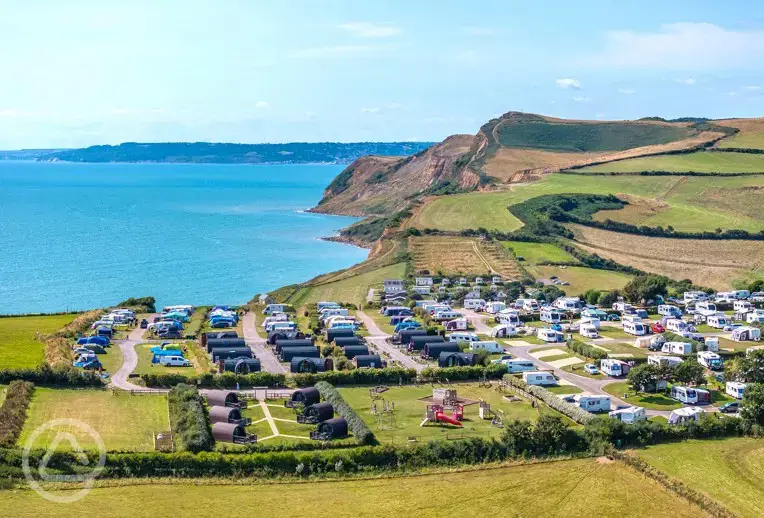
column 13, row 413
column 188, row 419
column 463, row 373
column 357, row 426
column 390, row 375
column 47, row 375
column 208, row 380
column 587, row 350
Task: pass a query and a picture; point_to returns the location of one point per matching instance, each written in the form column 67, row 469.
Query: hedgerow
column 463, row 373
column 208, row 380
column 587, row 350
column 47, row 375
column 360, row 429
column 13, row 412
column 188, row 419
column 356, row 377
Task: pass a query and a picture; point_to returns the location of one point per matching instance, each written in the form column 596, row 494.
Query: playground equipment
column 435, row 414
column 374, row 392
column 484, row 382
column 496, row 417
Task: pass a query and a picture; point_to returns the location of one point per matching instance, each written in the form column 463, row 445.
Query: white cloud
column 599, row 115
column 731, row 94
column 753, row 88
column 338, row 51
column 582, row 99
column 370, row 110
column 626, row 91
column 478, row 31
column 371, row 30
column 568, row 82
column 687, row 81
column 262, row 105
column 8, row 113
column 681, row 46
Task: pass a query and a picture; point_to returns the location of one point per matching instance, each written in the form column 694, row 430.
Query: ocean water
column 78, row 236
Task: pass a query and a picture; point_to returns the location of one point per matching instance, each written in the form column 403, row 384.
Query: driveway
column 379, row 339
column 252, row 338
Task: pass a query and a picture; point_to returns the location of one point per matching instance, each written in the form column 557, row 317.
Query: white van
column 478, row 304
column 735, row 389
column 677, row 348
column 588, row 330
column 667, row 310
column 528, row 304
column 486, row 345
column 717, row 321
column 463, row 337
column 517, row 366
column 174, row 361
column 635, row 328
column 539, row 378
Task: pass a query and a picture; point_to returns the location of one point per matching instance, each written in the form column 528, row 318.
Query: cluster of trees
column 646, row 375
column 189, row 419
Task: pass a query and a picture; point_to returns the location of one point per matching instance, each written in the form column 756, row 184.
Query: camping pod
column 302, row 365
column 218, row 343
column 296, row 342
column 223, row 398
column 225, row 414
column 287, row 353
column 452, row 359
column 432, row 350
column 331, row 334
column 351, row 351
column 281, row 334
column 306, row 396
column 230, row 352
column 241, row 365
column 342, row 341
column 369, row 361
column 319, row 412
column 331, row 429
column 231, row 432
column 417, row 343
column 404, row 336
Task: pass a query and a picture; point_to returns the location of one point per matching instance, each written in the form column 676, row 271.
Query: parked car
column 730, row 408
column 144, row 323
column 613, row 317
column 719, row 377
column 592, row 369
column 657, row 328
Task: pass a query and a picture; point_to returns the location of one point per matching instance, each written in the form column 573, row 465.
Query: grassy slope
column 352, row 289
column 730, row 470
column 124, row 422
column 582, row 279
column 534, row 253
column 651, row 401
column 750, row 140
column 565, row 488
column 702, row 162
column 18, row 347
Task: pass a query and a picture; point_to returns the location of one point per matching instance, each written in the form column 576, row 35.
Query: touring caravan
column 742, row 334
column 539, row 378
column 592, row 403
column 588, row 330
column 527, row 304
column 552, row 315
column 495, row 307
column 567, row 304
column 503, row 331
column 463, row 337
column 717, row 321
column 710, row 360
column 661, row 360
column 740, row 294
column 279, row 317
column 550, row 335
column 275, row 308
column 457, row 324
column 735, row 389
column 676, row 325
column 685, row 395
column 694, row 296
column 685, row 415
column 677, row 348
column 517, row 366
column 476, row 304
column 667, row 310
column 629, row 415
column 754, row 317
column 595, row 321
column 443, row 315
column 508, row 317
column 635, row 328
column 613, row 367
column 705, row 308
column 486, row 345
column 742, row 306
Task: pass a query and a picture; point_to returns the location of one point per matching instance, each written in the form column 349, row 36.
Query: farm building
column 330, row 429
column 351, row 351
column 331, row 334
column 301, row 364
column 287, row 353
column 452, row 359
column 223, row 398
column 230, row 352
column 370, row 361
column 240, row 365
column 417, row 343
column 296, row 342
column 342, row 341
column 233, row 433
column 306, row 396
column 318, row 413
column 225, row 414
column 432, row 350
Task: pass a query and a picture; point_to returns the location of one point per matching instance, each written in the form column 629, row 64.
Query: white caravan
column 635, row 328
column 735, row 389
column 629, row 415
column 539, row 378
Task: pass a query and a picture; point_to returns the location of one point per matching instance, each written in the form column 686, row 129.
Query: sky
column 85, row 72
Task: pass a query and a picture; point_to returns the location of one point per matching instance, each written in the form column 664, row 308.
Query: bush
column 555, row 402
column 207, row 380
column 392, row 375
column 188, row 419
column 13, row 413
column 463, row 373
column 140, row 305
column 47, row 375
column 357, row 426
column 587, row 350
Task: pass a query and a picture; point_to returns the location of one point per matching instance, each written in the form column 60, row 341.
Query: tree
column 607, row 299
column 645, row 375
column 591, row 296
column 646, row 287
column 748, row 369
column 689, row 372
column 752, row 407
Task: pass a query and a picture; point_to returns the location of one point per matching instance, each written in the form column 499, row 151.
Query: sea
column 79, row 236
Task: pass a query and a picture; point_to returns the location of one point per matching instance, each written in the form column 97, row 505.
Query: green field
column 582, row 279
column 700, row 162
column 687, row 203
column 549, row 489
column 352, row 290
column 731, row 471
column 534, row 253
column 124, row 422
column 409, row 412
column 112, row 360
column 744, row 139
column 652, row 401
column 18, row 347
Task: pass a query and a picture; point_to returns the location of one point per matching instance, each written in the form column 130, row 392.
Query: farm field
column 460, row 255
column 687, row 203
column 720, row 263
column 513, row 489
column 534, row 253
column 700, row 162
column 18, row 347
column 657, row 401
column 582, row 278
column 409, row 412
column 751, row 135
column 730, row 471
column 146, row 367
column 351, row 289
column 124, row 422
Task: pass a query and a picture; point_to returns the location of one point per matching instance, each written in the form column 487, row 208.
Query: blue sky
column 85, row 72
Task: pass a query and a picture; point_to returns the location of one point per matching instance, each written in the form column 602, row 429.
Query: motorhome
column 568, row 304
column 677, row 348
column 517, row 366
column 710, row 360
column 463, row 337
column 527, row 304
column 493, row 308
column 275, row 308
column 539, row 378
column 273, row 326
column 550, row 335
column 629, row 415
column 443, row 315
column 503, row 331
column 667, row 310
column 588, row 330
column 613, row 367
column 476, row 304
column 676, row 325
column 551, row 315
column 735, row 389
column 694, row 296
column 740, row 294
column 508, row 317
column 686, row 395
column 705, row 308
column 635, row 328
column 592, row 403
column 742, row 334
column 685, row 415
column 717, row 321
column 486, row 345
column 662, row 360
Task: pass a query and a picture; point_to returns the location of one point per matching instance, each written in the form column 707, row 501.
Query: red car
column 657, row 328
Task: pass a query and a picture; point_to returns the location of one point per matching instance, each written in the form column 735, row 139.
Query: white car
column 592, row 369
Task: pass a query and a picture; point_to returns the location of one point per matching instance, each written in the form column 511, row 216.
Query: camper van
column 593, row 404
column 710, row 360
column 629, row 415
column 613, row 367
column 174, row 361
column 476, row 304
column 735, row 389
column 486, row 345
column 705, row 308
column 551, row 315
column 275, row 308
column 550, row 335
column 676, row 325
column 588, row 330
column 667, row 310
column 677, row 348
column 717, row 321
column 539, row 378
column 463, row 337
column 495, row 307
column 694, row 296
column 517, row 366
column 635, row 328
column 527, row 304
column 685, row 395
column 661, row 360
column 503, row 331
column 508, row 317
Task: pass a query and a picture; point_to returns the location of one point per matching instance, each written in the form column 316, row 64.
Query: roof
column 221, row 397
column 222, row 414
column 688, row 411
column 225, row 432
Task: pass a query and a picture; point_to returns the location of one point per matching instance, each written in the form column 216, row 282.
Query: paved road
column 379, row 339
column 129, row 359
column 252, row 337
column 478, row 320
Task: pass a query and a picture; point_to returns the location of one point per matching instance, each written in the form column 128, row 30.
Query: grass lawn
column 555, row 357
column 744, row 139
column 146, row 367
column 582, row 279
column 726, row 343
column 409, row 412
column 701, row 162
column 564, row 389
column 18, row 347
column 124, row 422
column 729, row 470
column 651, row 401
column 513, row 490
column 534, row 253
column 352, row 289
column 617, row 333
column 112, row 360
column 622, row 348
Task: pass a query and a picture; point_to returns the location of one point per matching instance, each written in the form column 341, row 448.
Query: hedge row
column 188, row 419
column 356, row 377
column 463, row 373
column 208, row 380
column 47, row 375
column 360, row 429
column 554, row 401
column 587, row 350
column 13, row 413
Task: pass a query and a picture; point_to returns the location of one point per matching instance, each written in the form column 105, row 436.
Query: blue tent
column 158, row 354
column 98, row 340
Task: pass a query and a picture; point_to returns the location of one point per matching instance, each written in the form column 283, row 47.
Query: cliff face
column 376, row 185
